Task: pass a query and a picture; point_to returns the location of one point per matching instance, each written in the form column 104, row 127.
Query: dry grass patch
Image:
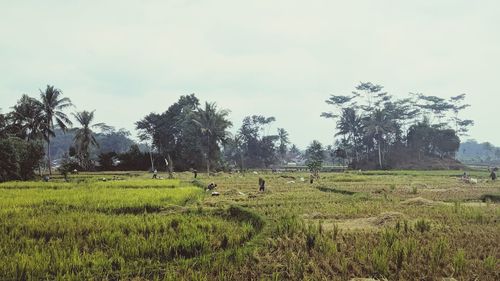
column 419, row 201
column 369, row 223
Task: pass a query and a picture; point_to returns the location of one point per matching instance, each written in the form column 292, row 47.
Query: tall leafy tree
column 148, row 131
column 457, row 106
column 19, row 158
column 26, row 119
column 445, row 142
column 173, row 134
column 434, row 107
column 315, row 154
column 234, row 152
column 213, row 125
column 260, row 150
column 53, row 106
column 377, row 125
column 9, row 161
column 372, row 95
column 372, row 124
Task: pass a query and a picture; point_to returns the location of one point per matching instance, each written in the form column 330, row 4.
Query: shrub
column 380, row 260
column 459, row 261
column 422, row 225
column 490, row 263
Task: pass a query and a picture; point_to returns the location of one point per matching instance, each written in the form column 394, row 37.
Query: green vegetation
column 342, row 226
column 378, row 131
column 112, row 229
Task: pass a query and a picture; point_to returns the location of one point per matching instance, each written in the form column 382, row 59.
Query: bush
column 459, row 261
column 9, row 167
column 19, row 158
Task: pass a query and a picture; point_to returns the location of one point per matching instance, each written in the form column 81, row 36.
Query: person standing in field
column 155, row 174
column 262, row 184
column 493, row 174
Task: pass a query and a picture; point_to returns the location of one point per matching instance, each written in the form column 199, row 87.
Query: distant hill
column 112, row 140
column 473, row 153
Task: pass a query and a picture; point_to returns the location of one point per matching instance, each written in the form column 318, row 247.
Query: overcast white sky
column 276, row 58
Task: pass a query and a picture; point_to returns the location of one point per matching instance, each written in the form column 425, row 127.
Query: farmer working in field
column 262, row 184
column 211, row 186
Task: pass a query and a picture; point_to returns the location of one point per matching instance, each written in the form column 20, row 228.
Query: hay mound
column 387, row 218
column 316, row 216
column 370, row 223
column 419, row 201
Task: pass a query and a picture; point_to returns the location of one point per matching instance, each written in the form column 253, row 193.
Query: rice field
column 394, row 225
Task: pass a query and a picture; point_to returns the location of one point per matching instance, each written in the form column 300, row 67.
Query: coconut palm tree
column 284, row 141
column 84, row 136
column 53, row 105
column 213, row 125
column 350, row 126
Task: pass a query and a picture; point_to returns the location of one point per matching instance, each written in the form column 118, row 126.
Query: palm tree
column 213, row 125
column 377, row 125
column 350, row 125
column 84, row 136
column 284, row 141
column 27, row 118
column 53, row 105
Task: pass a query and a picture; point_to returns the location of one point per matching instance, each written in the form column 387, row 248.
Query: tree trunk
column 48, row 155
column 379, row 155
column 241, row 169
column 170, row 167
column 208, row 155
column 151, row 158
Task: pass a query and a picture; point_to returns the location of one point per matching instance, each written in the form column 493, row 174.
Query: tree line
column 191, row 135
column 376, row 130
column 26, row 133
column 373, row 130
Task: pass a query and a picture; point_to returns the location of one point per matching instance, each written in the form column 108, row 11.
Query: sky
column 126, row 59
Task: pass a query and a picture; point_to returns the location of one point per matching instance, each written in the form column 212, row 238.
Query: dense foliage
column 18, row 158
column 374, row 127
column 373, row 130
column 33, row 122
column 108, row 230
